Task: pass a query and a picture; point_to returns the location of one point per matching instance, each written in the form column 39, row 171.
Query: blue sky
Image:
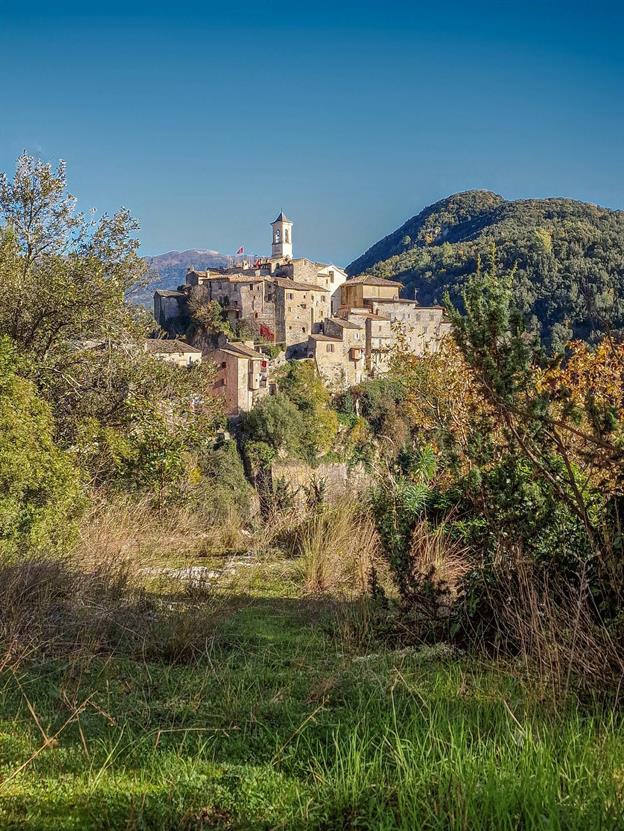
column 207, row 119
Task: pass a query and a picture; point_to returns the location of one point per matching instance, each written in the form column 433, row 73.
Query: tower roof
column 281, row 218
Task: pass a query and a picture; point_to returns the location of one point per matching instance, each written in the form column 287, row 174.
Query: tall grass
column 132, row 529
column 558, row 634
column 275, row 730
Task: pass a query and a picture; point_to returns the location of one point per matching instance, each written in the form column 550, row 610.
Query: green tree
column 575, row 457
column 63, row 280
column 302, row 385
column 40, row 490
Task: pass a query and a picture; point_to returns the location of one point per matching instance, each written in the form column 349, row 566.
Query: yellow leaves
column 442, row 398
column 595, row 375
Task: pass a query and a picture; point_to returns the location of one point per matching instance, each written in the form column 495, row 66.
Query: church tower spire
column 282, row 236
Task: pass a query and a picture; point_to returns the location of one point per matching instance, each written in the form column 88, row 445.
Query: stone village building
column 348, row 327
column 174, row 351
column 281, row 299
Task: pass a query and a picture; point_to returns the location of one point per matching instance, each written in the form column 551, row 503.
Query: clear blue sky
column 207, row 119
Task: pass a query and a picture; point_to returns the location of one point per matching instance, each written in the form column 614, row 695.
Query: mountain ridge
column 568, row 254
column 167, row 270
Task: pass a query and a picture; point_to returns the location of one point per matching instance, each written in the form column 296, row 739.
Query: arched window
column 277, row 235
column 286, row 235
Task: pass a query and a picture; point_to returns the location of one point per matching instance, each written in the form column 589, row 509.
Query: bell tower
column 282, row 237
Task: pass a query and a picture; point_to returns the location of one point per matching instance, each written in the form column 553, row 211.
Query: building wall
column 334, row 278
column 250, row 300
column 166, row 309
column 379, row 342
column 183, row 359
column 362, row 295
column 330, row 363
column 241, row 381
column 422, row 327
column 341, row 362
column 298, row 314
column 226, row 381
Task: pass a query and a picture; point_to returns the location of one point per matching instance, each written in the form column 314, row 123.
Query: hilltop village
column 291, row 308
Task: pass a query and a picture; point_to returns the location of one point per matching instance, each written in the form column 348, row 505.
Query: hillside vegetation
column 569, row 258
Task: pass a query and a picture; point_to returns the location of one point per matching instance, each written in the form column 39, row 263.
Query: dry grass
column 339, row 548
column 103, row 598
column 335, row 545
column 559, row 636
column 439, row 557
column 133, row 531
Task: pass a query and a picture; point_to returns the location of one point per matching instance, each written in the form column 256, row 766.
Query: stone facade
column 360, row 291
column 300, row 309
column 169, row 307
column 371, row 322
column 242, row 376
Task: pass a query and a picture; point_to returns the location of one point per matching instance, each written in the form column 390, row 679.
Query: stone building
column 280, row 299
column 348, row 327
column 372, row 321
column 169, row 308
column 361, row 291
column 300, row 309
column 242, row 376
column 173, row 351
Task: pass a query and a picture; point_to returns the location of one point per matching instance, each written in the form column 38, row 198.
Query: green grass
column 280, row 726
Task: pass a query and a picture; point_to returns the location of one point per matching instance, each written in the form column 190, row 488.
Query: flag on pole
column 241, row 250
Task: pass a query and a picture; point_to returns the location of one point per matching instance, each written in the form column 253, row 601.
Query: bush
column 40, row 490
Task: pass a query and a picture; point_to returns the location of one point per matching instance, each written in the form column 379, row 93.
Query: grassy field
column 287, row 721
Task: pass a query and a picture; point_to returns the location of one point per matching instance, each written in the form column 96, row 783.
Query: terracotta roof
column 281, row 218
column 324, row 338
column 161, row 346
column 242, row 351
column 369, row 280
column 168, row 293
column 287, row 283
column 346, row 324
column 396, row 300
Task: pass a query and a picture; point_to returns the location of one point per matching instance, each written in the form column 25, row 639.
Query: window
column 278, row 235
column 286, row 235
column 256, row 315
column 303, row 329
column 331, row 276
column 223, row 364
column 330, row 347
column 291, row 296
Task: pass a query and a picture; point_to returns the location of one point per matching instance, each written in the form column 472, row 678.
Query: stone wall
column 340, row 482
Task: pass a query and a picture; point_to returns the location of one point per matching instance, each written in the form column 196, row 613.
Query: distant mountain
column 569, row 258
column 166, row 271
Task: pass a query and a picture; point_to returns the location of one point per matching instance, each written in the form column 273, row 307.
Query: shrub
column 40, row 490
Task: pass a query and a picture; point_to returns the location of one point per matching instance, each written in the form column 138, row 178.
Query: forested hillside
column 569, row 258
